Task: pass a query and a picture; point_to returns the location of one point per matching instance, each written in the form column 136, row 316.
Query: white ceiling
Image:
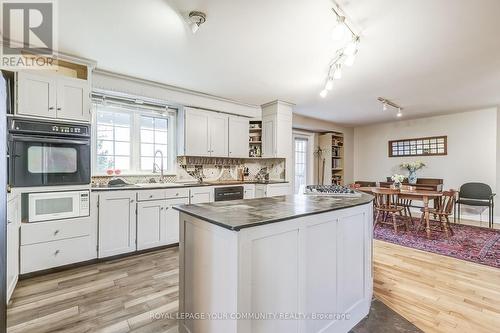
column 430, row 56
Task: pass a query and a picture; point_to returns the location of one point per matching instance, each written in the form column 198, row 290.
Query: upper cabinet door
column 268, row 137
column 238, row 137
column 73, row 99
column 197, row 139
column 36, row 95
column 219, row 142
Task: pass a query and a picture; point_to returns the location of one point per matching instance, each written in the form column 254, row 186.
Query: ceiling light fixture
column 196, row 19
column 345, row 55
column 387, row 103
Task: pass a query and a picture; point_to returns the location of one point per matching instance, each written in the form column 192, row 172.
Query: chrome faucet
column 155, row 165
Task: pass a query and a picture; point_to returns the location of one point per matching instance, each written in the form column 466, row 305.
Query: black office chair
column 476, row 194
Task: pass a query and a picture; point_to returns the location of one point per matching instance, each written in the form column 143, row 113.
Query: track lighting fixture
column 345, row 55
column 387, row 103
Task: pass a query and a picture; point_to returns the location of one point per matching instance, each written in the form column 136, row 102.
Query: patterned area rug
column 479, row 245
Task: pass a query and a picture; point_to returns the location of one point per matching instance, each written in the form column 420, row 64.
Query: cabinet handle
column 9, row 221
column 59, row 109
column 150, row 196
column 56, row 232
column 177, row 194
column 131, row 201
column 161, row 208
column 57, row 252
column 51, row 108
column 166, row 208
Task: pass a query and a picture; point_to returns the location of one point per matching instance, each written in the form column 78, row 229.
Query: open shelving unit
column 332, row 144
column 255, row 139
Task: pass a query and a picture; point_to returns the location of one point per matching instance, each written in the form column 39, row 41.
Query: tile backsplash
column 213, row 169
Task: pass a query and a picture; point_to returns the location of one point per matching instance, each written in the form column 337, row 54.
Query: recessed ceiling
column 428, row 56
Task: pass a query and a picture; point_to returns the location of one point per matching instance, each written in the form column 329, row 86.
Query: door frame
column 3, row 213
column 309, row 136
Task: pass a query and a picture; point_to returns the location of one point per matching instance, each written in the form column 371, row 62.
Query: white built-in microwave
column 48, row 206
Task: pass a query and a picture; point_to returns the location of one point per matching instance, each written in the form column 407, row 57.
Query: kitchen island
column 282, row 264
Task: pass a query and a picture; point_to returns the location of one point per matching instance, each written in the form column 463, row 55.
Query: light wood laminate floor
column 114, row 296
column 437, row 293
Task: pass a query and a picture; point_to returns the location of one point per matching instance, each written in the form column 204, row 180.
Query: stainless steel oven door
column 45, row 161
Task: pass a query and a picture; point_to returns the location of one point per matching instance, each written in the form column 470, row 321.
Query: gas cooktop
column 331, row 190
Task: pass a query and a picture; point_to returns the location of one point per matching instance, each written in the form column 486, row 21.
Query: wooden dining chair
column 387, row 202
column 443, row 211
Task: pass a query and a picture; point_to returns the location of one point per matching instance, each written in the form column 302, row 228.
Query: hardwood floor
column 437, row 293
column 114, row 296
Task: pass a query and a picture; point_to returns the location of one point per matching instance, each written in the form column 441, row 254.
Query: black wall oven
column 43, row 153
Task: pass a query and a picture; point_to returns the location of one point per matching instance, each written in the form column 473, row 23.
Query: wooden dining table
column 415, row 194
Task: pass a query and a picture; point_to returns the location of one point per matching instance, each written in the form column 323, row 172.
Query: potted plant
column 412, row 169
column 397, row 179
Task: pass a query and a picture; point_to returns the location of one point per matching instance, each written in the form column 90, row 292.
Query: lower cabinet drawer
column 41, row 232
column 41, row 256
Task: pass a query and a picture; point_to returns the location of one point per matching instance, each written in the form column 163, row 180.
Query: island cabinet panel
column 319, row 250
column 307, row 266
column 117, row 223
column 267, row 267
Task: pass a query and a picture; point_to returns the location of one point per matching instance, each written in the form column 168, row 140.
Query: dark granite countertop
column 156, row 186
column 238, row 214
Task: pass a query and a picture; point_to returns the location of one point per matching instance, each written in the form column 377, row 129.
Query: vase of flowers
column 412, row 170
column 397, row 179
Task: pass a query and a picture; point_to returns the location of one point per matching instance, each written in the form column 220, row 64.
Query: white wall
column 472, row 143
column 175, row 95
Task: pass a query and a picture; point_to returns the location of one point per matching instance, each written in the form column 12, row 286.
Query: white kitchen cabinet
column 203, row 194
column 117, row 223
column 269, row 137
column 249, row 191
column 172, row 220
column 53, row 96
column 204, row 133
column 196, row 133
column 158, row 223
column 36, row 95
column 274, row 190
column 219, row 134
column 73, row 99
column 150, row 220
column 238, row 136
column 13, row 225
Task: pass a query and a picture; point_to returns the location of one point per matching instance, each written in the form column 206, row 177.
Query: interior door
column 150, row 217
column 219, row 132
column 73, row 100
column 238, row 137
column 197, row 140
column 36, row 95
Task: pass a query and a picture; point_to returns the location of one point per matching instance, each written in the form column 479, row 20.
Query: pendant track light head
column 323, row 93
